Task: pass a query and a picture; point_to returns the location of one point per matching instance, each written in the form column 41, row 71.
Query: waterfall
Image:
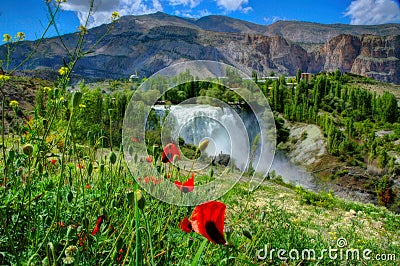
column 232, row 132
column 223, row 126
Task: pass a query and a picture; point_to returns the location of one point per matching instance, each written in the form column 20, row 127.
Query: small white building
column 134, row 77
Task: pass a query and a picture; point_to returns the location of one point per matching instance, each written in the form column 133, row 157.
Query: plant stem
column 3, row 134
column 149, row 235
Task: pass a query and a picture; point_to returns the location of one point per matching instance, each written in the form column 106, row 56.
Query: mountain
column 149, row 43
column 307, row 32
column 227, row 24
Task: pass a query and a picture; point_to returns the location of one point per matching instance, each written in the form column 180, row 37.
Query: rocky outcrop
column 149, row 43
column 341, row 52
column 377, row 57
column 308, row 32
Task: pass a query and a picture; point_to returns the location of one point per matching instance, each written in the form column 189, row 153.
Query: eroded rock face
column 372, row 56
column 149, row 43
column 341, row 52
column 379, row 58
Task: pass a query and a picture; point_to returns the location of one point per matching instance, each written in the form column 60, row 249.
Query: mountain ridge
column 148, row 43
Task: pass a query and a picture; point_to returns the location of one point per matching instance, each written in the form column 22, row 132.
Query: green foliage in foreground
column 43, row 213
column 57, row 183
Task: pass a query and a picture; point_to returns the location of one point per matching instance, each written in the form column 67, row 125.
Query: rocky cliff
column 149, row 43
column 368, row 55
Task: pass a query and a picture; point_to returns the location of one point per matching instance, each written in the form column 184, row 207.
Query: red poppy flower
column 169, row 152
column 61, row 224
column 88, row 186
column 149, row 159
column 187, row 186
column 121, row 255
column 96, row 229
column 53, row 161
column 82, row 238
column 135, row 140
column 151, row 179
column 80, row 166
column 185, row 225
column 207, row 220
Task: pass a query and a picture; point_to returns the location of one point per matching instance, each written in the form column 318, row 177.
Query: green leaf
column 196, row 259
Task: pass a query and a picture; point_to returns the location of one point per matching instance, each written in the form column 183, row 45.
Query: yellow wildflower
column 47, row 89
column 61, row 1
column 61, row 99
column 115, row 16
column 83, row 30
column 20, row 36
column 4, row 78
column 82, row 105
column 7, row 37
column 14, row 104
column 63, row 71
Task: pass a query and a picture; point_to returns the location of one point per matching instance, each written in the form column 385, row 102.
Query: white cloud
column 190, row 14
column 234, row 5
column 370, row 12
column 190, row 3
column 204, row 13
column 247, row 9
column 103, row 9
column 273, row 19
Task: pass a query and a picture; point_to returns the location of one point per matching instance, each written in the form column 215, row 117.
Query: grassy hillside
column 67, row 199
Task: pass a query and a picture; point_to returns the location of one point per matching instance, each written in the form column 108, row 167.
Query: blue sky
column 30, row 16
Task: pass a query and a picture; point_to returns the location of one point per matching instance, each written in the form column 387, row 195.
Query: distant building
column 134, row 77
column 306, row 76
column 270, row 77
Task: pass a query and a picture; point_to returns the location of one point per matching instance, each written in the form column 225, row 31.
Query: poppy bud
column 70, row 196
column 27, row 149
column 90, row 169
column 76, row 99
column 130, row 150
column 85, row 222
column 102, row 168
column 211, row 172
column 228, row 233
column 11, row 155
column 40, row 168
column 203, row 145
column 247, row 234
column 140, row 199
column 263, row 216
column 113, row 158
column 130, row 197
column 176, row 158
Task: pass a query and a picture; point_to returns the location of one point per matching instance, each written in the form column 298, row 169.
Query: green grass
column 52, row 197
column 274, row 216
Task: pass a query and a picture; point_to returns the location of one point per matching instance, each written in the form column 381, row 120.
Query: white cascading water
column 222, row 126
column 195, row 122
